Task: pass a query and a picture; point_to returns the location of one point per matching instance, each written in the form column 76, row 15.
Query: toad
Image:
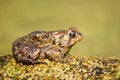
column 53, row 45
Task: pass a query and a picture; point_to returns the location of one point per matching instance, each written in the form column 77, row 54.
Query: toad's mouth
column 80, row 37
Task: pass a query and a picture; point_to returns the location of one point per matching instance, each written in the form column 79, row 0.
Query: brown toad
column 53, row 45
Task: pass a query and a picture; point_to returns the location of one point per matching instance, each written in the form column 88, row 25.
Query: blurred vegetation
column 99, row 21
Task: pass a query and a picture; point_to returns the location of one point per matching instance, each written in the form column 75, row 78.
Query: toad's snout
column 80, row 36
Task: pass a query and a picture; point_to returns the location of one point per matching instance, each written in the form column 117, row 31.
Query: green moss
column 74, row 68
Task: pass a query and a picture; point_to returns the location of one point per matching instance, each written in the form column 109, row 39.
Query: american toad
column 53, row 45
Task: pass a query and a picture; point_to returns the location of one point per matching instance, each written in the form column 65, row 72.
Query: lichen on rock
column 73, row 68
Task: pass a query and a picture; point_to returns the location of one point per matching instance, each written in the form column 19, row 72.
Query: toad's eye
column 72, row 34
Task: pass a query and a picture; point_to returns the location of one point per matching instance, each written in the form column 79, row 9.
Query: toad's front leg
column 54, row 55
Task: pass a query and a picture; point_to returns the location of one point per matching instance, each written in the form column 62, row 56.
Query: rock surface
column 73, row 68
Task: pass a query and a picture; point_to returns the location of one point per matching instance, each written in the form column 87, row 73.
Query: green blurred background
column 98, row 20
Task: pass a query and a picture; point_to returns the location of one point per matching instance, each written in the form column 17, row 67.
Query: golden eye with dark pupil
column 72, row 34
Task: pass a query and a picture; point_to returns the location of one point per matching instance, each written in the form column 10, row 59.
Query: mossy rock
column 73, row 68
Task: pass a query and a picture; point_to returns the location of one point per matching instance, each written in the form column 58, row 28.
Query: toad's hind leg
column 24, row 60
column 26, row 55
